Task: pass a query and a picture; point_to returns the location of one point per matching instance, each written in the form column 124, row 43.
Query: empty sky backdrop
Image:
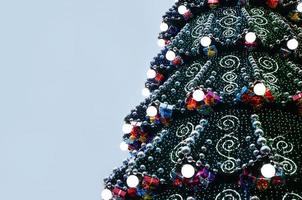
column 70, row 70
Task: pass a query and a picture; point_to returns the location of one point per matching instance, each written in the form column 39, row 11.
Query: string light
column 106, row 194
column 132, row 181
column 127, row 128
column 299, row 7
column 268, row 170
column 187, row 171
column 198, row 95
column 205, row 41
column 164, row 26
column 170, row 55
column 292, row 44
column 151, row 111
column 124, row 146
column 151, row 73
column 182, row 9
column 161, row 43
column 259, row 89
column 146, row 92
column 250, row 37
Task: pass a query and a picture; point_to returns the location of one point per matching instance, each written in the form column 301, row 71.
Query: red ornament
column 148, row 180
column 269, row 96
column 177, row 61
column 213, row 3
column 188, row 15
column 191, row 103
column 159, row 77
column 119, row 193
column 256, row 101
column 262, row 184
column 132, row 192
column 272, row 3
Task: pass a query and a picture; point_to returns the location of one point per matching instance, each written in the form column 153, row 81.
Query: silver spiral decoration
column 228, row 194
column 228, row 144
column 257, row 11
column 190, row 86
column 198, row 28
column 230, row 32
column 229, row 123
column 175, row 197
column 281, row 145
column 193, row 69
column 174, row 155
column 230, row 62
column 225, row 147
column 228, row 20
column 182, row 132
column 292, row 196
column 288, row 165
column 184, row 129
column 260, row 22
column 270, row 66
column 229, row 11
column 227, row 23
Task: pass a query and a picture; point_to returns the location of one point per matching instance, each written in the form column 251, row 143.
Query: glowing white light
column 259, row 89
column 299, row 7
column 161, row 43
column 127, row 128
column 187, row 171
column 198, row 95
column 205, row 41
column 151, row 73
column 106, row 194
column 164, row 26
column 124, row 146
column 182, row 9
column 268, row 171
column 170, row 55
column 250, row 37
column 151, row 111
column 292, row 44
column 146, row 92
column 132, row 181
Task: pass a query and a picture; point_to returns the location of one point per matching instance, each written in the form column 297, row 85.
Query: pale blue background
column 70, row 70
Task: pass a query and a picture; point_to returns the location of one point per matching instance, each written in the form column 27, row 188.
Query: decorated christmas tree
column 222, row 114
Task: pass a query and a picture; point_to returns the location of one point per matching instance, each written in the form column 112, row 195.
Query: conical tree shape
column 223, row 120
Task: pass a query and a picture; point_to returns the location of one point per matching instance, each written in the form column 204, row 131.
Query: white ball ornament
column 292, row 44
column 164, row 26
column 106, row 194
column 205, row 41
column 161, row 43
column 127, row 128
column 187, row 171
column 250, row 37
column 182, row 9
column 124, row 146
column 259, row 89
column 268, row 170
column 170, row 55
column 132, row 181
column 151, row 73
column 151, row 111
column 299, row 7
column 198, row 95
column 146, row 92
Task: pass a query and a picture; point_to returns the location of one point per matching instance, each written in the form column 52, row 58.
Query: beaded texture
column 247, row 114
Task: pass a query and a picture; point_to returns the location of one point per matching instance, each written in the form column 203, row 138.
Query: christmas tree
column 222, row 114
